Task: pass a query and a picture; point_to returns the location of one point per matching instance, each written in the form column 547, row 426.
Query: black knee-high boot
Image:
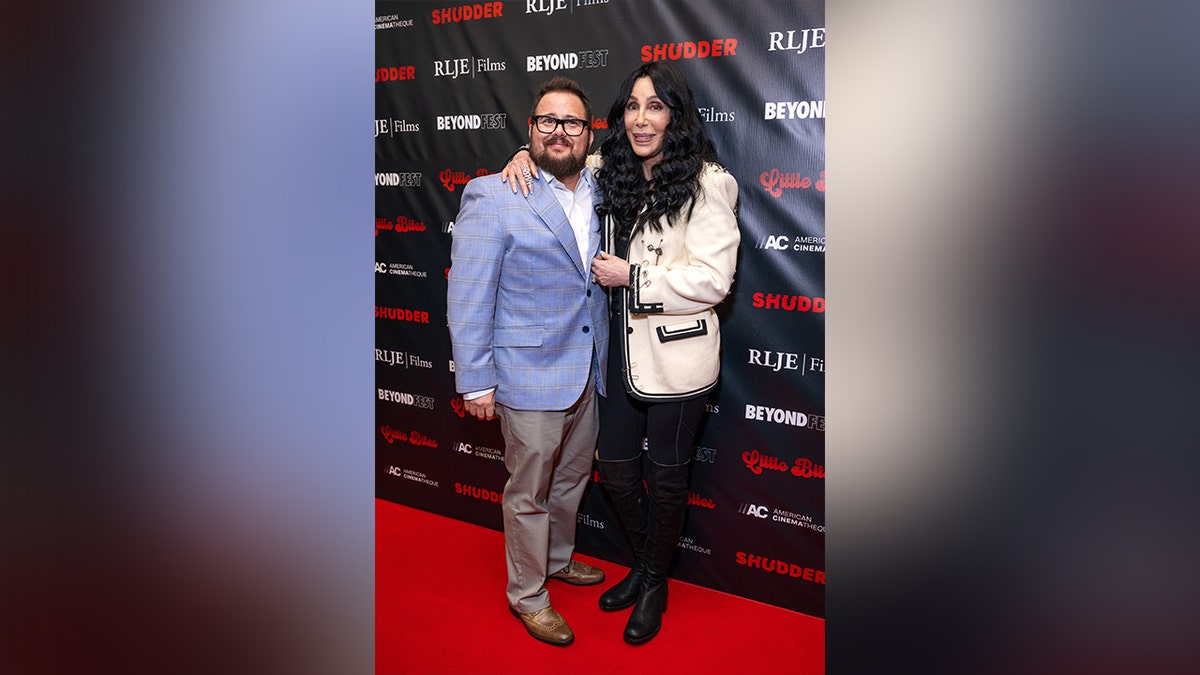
column 623, row 483
column 668, row 501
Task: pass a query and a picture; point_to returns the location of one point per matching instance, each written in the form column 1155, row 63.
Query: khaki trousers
column 548, row 455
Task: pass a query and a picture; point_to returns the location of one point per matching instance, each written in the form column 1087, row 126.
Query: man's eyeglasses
column 547, row 124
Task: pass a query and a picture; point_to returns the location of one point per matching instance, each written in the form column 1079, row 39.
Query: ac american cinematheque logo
column 392, row 21
column 479, row 451
column 780, row 516
column 410, row 474
column 783, row 242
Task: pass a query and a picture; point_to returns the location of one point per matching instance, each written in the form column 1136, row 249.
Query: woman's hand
column 610, row 271
column 520, row 170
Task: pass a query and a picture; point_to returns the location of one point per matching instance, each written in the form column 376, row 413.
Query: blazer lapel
column 546, row 205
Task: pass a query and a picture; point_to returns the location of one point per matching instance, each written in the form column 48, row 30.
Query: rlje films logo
column 549, row 7
column 467, row 65
column 798, row 41
column 392, row 357
column 777, row 361
column 391, row 126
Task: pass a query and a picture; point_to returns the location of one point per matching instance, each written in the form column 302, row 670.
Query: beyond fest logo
column 590, row 58
column 793, row 418
column 414, row 400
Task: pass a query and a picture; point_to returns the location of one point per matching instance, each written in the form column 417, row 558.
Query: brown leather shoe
column 548, row 626
column 579, row 574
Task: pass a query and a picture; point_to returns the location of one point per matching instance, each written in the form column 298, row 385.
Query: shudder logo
column 788, row 303
column 702, row 49
column 401, row 314
column 395, row 73
column 482, row 494
column 780, row 567
column 475, row 12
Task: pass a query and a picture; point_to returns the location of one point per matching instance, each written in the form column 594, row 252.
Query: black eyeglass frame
column 537, row 124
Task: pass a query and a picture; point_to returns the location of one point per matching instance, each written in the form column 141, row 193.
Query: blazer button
column 629, row 331
column 589, row 292
column 586, row 329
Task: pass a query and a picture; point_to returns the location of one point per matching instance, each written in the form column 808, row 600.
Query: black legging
column 669, row 427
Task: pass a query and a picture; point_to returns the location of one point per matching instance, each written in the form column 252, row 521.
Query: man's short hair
column 566, row 84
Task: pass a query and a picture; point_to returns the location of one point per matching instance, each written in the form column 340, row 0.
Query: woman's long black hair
column 675, row 179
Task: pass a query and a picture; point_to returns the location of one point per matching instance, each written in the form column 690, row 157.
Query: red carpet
column 440, row 609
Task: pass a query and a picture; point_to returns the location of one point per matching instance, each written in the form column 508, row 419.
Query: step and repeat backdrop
column 453, row 87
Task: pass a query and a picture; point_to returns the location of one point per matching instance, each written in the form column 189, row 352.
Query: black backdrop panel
column 454, row 82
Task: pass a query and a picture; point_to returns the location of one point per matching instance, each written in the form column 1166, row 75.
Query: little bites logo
column 416, row 438
column 780, row 567
column 776, row 181
column 701, row 501
column 451, row 179
column 401, row 224
column 758, row 462
column 702, row 49
column 798, row 41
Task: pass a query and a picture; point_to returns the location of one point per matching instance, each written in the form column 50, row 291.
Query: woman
column 669, row 213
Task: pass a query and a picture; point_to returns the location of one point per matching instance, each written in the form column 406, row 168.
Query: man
column 530, row 339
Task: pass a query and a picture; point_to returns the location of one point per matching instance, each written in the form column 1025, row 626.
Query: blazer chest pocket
column 682, row 330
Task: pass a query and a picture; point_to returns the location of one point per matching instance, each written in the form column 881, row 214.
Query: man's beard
column 558, row 167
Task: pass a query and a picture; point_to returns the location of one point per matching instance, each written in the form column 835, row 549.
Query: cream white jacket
column 670, row 336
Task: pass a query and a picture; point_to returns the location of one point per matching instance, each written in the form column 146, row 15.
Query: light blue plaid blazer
column 524, row 314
